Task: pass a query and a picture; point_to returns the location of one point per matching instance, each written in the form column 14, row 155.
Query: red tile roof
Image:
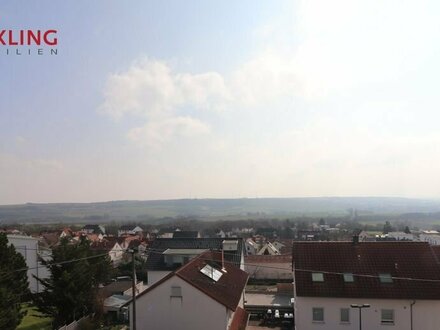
column 415, row 260
column 240, row 319
column 106, row 244
column 227, row 290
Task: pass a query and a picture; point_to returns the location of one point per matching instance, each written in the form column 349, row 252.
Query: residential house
column 268, row 249
column 167, row 232
column 205, row 293
column 93, row 229
column 115, row 295
column 30, row 249
column 401, row 236
column 283, row 245
column 130, row 230
column 126, row 241
column 432, row 239
column 90, row 237
column 220, row 233
column 430, row 232
column 165, row 255
column 243, row 231
column 365, row 236
column 308, row 234
column 278, row 245
column 50, row 239
column 12, row 231
column 399, row 281
column 252, row 247
column 66, row 233
column 112, row 247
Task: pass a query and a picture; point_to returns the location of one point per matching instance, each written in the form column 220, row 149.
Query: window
column 385, row 278
column 348, row 278
column 318, row 314
column 176, row 291
column 345, row 315
column 317, row 277
column 387, row 316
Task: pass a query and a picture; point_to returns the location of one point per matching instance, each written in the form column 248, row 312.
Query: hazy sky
column 194, row 99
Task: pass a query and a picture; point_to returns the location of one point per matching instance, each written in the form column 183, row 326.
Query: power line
column 158, row 251
column 55, row 263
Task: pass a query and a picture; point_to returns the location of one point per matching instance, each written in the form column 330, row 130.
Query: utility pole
column 133, row 280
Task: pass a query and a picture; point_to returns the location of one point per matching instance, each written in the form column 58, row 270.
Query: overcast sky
column 196, row 99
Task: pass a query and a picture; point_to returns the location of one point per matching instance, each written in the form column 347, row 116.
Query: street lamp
column 360, row 312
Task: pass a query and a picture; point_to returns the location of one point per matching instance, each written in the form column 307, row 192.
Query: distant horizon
column 227, row 198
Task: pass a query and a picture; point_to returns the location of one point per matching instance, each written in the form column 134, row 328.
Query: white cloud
column 353, row 79
column 156, row 133
column 150, row 88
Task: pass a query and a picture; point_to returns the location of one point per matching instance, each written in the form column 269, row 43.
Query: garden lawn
column 32, row 322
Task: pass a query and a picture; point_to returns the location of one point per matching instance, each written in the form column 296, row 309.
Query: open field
column 367, row 208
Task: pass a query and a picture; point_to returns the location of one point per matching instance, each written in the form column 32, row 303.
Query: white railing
column 75, row 325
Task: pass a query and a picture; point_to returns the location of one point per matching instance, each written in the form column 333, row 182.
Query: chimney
column 355, row 239
column 223, row 261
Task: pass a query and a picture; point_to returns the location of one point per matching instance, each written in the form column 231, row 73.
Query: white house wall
column 156, row 310
column 426, row 314
column 28, row 248
column 156, row 275
column 116, row 254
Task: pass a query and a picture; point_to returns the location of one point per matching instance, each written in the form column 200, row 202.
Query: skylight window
column 348, row 278
column 385, row 278
column 317, row 277
column 211, row 272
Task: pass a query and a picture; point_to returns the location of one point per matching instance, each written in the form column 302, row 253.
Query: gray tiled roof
column 185, row 234
column 155, row 260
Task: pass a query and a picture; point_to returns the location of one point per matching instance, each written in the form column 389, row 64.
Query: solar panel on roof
column 211, row 272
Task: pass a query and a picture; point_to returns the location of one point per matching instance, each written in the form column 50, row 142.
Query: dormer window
column 385, row 278
column 348, row 278
column 317, row 277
